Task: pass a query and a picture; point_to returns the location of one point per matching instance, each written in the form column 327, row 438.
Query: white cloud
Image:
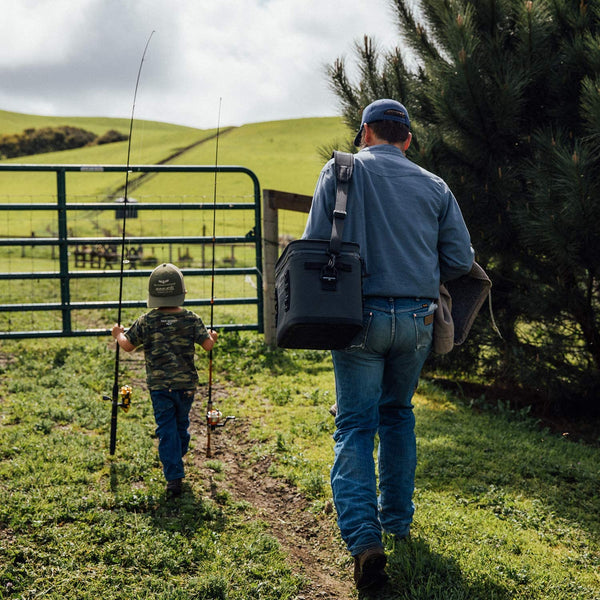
column 264, row 58
column 34, row 32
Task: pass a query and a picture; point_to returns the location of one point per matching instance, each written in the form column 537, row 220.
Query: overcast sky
column 263, row 58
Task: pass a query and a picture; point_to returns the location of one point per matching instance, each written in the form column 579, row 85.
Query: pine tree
column 505, row 104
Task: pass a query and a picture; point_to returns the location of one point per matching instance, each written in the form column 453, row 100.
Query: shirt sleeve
column 455, row 252
column 320, row 217
column 200, row 331
column 135, row 334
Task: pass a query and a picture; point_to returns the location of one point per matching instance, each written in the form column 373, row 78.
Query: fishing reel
column 125, row 394
column 214, row 419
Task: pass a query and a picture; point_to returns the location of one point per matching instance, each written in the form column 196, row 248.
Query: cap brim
column 358, row 136
column 160, row 301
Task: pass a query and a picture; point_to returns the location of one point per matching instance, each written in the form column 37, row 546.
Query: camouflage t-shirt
column 169, row 346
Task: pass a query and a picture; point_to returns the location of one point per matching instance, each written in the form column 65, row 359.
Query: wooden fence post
column 270, row 255
column 274, row 200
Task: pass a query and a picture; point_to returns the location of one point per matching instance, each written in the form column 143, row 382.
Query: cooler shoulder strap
column 344, row 165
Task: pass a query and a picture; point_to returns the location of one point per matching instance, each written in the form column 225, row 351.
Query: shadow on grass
column 186, row 513
column 490, row 459
column 418, row 573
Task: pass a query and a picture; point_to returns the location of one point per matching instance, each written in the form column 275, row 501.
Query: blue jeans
column 171, row 413
column 376, row 377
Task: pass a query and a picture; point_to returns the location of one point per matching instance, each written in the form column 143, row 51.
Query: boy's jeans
column 171, row 413
column 376, row 377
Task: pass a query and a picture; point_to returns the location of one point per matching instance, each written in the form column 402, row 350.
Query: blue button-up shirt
column 405, row 219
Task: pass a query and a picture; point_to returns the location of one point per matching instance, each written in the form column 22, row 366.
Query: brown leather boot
column 369, row 568
column 174, row 488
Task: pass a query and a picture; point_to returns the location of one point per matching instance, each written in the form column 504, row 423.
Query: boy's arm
column 118, row 332
column 209, row 342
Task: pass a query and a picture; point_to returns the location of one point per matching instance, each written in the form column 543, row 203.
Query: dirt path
column 144, row 177
column 311, row 540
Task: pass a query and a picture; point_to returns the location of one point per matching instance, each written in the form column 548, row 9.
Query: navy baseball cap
column 382, row 110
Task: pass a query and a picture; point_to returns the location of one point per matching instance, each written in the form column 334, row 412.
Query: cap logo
column 395, row 113
column 165, row 286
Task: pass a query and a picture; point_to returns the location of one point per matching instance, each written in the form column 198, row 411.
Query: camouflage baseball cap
column 165, row 286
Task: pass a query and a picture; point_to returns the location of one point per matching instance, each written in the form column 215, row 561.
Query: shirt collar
column 383, row 148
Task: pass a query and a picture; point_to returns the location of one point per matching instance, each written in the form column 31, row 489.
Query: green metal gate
column 83, row 259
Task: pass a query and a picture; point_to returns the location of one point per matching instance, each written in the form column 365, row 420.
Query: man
column 412, row 236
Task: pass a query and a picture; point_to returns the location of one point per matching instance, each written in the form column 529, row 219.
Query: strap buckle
column 329, row 275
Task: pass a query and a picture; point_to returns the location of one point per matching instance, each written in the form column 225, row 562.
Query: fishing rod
column 124, row 393
column 214, row 417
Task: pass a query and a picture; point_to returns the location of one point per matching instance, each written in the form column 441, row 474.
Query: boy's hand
column 209, row 342
column 116, row 330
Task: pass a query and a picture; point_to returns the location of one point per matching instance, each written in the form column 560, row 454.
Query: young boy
column 169, row 334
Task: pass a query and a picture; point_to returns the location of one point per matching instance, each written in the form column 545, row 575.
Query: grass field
column 505, row 509
column 284, row 155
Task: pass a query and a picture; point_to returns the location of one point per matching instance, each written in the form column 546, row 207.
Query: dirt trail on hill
column 135, row 182
column 310, row 540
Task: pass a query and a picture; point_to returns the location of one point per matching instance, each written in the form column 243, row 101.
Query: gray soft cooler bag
column 318, row 283
column 317, row 304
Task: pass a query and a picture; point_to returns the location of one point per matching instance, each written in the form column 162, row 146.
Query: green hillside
column 11, row 122
column 152, row 142
column 283, row 154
